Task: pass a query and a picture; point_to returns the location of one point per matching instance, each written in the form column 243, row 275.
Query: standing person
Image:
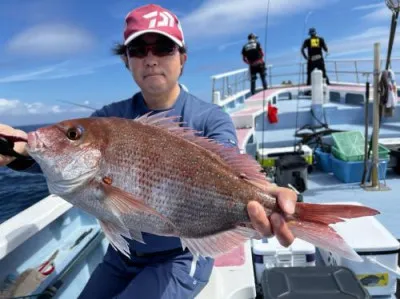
column 315, row 59
column 253, row 55
column 154, row 51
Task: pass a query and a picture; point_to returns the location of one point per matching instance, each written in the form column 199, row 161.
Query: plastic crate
column 349, row 146
column 323, row 160
column 383, row 153
column 352, row 171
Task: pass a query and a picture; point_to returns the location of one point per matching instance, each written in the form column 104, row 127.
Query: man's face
column 155, row 63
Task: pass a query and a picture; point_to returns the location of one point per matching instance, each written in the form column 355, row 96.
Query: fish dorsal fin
column 160, row 120
column 244, row 165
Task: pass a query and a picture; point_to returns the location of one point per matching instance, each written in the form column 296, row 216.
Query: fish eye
column 74, row 133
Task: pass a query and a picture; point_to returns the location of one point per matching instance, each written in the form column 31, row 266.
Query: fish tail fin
column 310, row 222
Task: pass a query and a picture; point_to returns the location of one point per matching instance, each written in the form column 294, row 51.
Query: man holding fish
column 178, row 207
column 155, row 54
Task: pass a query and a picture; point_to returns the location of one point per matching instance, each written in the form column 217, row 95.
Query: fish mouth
column 34, row 142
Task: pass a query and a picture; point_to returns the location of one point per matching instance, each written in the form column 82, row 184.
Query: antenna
column 270, row 83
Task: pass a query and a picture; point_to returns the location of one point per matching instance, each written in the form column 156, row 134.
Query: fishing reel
column 393, row 5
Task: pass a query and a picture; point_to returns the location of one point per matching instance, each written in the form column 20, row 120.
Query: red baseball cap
column 153, row 18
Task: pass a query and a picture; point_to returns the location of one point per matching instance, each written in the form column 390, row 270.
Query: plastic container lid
column 334, row 282
column 267, row 152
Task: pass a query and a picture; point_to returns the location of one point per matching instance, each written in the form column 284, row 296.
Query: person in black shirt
column 253, row 55
column 315, row 59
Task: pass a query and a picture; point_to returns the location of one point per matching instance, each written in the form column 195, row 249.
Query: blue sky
column 57, row 50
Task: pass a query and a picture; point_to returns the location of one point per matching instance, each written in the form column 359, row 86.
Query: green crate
column 349, row 146
column 383, row 153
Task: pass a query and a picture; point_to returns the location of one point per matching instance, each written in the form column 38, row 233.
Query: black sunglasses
column 158, row 49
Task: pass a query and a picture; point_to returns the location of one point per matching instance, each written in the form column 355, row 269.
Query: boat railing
column 21, row 227
column 228, row 87
column 229, row 84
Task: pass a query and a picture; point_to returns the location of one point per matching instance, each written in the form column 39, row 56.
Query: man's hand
column 275, row 225
column 19, row 147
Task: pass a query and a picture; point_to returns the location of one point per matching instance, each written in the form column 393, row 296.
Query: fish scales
column 180, row 184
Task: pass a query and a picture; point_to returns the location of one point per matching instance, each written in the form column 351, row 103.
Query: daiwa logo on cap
column 167, row 19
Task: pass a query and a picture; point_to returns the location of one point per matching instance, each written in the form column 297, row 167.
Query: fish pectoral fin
column 136, row 235
column 220, row 243
column 122, row 202
column 115, row 234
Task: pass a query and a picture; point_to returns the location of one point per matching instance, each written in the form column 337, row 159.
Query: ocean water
column 19, row 190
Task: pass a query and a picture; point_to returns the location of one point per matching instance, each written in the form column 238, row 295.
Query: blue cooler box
column 351, row 171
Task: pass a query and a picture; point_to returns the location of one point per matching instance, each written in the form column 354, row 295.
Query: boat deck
column 324, row 187
column 344, row 112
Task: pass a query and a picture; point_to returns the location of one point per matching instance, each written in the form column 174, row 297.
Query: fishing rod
column 394, row 6
column 76, row 104
column 265, row 49
column 300, row 73
column 366, row 151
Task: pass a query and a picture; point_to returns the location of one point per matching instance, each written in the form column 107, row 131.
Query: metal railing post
column 355, row 65
column 336, row 72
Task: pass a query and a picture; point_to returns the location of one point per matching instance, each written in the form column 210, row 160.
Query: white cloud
column 6, row 105
column 56, row 109
column 223, row 47
column 363, row 42
column 220, row 18
column 16, row 107
column 29, row 75
column 19, row 108
column 51, row 39
column 61, row 70
column 381, row 13
column 369, row 6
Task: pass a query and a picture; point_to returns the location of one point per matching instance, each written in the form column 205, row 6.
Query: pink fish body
column 152, row 175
